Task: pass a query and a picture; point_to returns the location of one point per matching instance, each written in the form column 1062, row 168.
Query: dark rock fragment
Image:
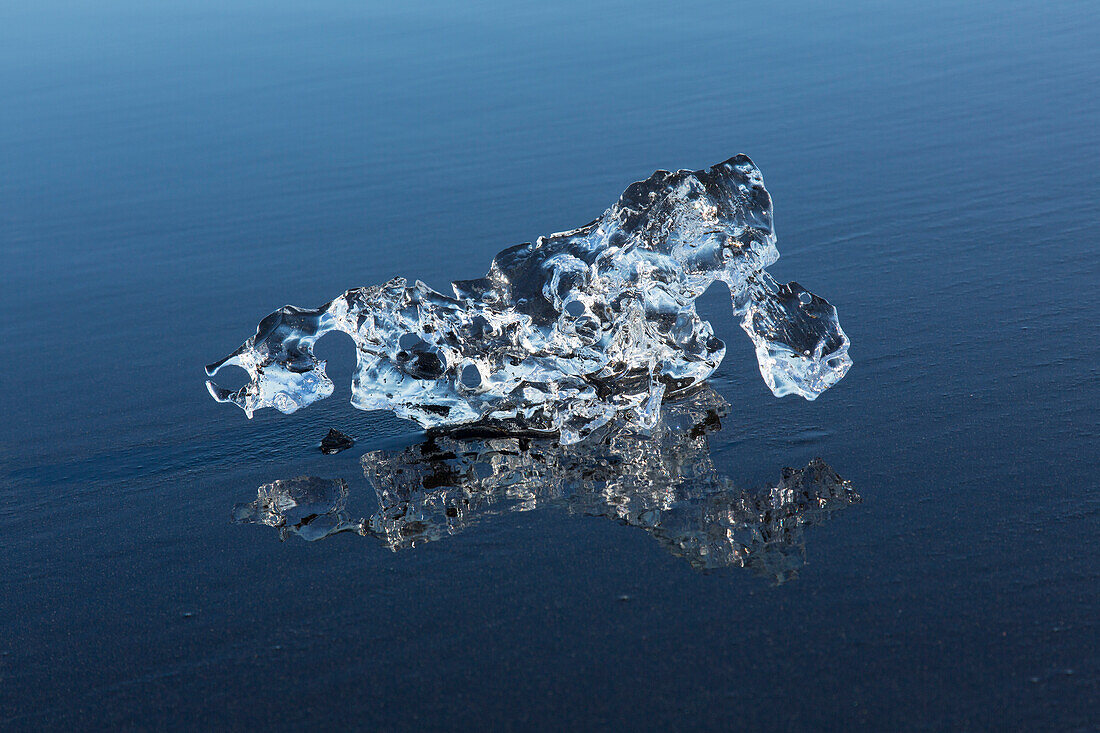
column 335, row 442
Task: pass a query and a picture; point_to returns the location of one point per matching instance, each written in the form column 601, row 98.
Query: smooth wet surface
column 171, row 174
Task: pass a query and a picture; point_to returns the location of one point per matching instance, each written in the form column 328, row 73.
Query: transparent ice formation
column 571, row 332
column 661, row 480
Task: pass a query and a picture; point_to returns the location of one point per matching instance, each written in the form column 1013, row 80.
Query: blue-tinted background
column 172, row 172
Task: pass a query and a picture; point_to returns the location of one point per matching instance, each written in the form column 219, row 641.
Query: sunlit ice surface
column 569, row 333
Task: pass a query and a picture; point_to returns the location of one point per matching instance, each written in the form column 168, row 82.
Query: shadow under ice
column 663, row 482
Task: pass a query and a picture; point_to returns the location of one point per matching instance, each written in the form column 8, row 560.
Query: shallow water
column 172, row 174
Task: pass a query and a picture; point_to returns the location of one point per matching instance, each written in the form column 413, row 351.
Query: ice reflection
column 663, row 482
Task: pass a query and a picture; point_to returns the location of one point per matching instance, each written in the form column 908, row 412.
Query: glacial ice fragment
column 571, row 332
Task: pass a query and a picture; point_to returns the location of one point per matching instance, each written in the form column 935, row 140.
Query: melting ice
column 571, row 332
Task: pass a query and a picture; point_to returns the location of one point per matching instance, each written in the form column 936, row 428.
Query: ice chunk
column 799, row 344
column 571, row 332
column 661, row 480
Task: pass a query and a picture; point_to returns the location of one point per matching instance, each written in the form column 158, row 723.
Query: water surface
column 172, row 173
